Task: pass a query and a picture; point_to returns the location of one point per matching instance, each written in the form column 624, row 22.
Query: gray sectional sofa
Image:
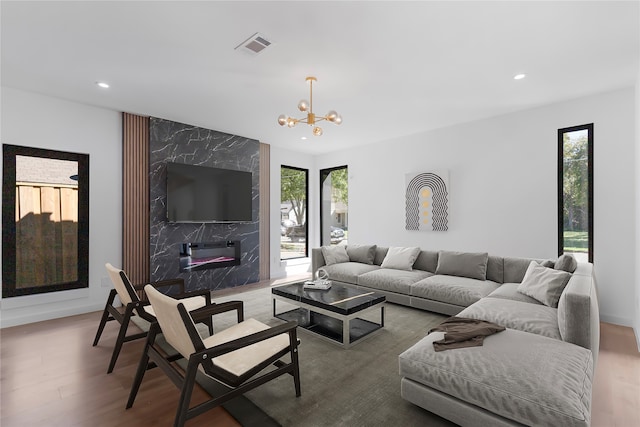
column 537, row 372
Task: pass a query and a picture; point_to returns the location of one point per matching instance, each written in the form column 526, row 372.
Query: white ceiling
column 390, row 68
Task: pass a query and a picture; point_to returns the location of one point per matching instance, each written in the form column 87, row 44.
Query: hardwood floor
column 51, row 376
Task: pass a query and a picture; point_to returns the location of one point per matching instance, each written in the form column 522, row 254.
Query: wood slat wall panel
column 135, row 197
column 265, row 200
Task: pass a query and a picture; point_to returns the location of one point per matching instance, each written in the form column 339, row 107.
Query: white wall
column 503, row 183
column 636, row 324
column 34, row 120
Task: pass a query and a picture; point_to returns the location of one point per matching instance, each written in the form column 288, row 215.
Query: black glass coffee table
column 332, row 314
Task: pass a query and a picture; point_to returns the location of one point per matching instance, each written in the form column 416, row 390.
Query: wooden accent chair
column 234, row 356
column 138, row 311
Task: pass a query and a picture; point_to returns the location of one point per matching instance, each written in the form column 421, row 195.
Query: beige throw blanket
column 461, row 332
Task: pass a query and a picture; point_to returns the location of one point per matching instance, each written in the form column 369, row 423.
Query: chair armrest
column 289, row 327
column 205, row 312
column 197, row 293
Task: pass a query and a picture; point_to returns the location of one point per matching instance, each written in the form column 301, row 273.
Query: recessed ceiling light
column 304, row 137
column 103, row 85
column 519, row 76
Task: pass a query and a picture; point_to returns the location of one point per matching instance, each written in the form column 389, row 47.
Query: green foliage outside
column 293, row 189
column 340, row 184
column 576, row 241
column 575, row 181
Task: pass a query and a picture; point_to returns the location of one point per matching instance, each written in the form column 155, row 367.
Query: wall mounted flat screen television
column 207, row 194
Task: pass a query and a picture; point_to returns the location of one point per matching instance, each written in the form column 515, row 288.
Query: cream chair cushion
column 118, row 284
column 189, row 303
column 240, row 361
column 171, row 323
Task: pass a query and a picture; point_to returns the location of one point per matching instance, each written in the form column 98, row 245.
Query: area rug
column 355, row 387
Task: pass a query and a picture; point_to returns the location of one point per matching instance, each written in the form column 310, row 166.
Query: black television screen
column 205, row 194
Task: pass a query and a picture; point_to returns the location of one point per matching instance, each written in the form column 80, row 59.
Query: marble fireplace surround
column 177, row 142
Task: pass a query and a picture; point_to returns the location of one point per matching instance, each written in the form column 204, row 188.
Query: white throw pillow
column 335, row 254
column 544, row 284
column 400, row 258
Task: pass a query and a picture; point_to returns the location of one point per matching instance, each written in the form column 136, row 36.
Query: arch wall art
column 427, row 201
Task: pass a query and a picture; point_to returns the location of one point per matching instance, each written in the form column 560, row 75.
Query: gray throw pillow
column 400, row 258
column 566, row 263
column 544, row 284
column 463, row 264
column 361, row 253
column 334, row 254
column 548, row 263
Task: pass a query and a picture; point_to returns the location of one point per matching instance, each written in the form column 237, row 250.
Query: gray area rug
column 355, row 387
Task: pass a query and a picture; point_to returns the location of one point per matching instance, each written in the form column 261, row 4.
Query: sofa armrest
column 317, row 261
column 578, row 312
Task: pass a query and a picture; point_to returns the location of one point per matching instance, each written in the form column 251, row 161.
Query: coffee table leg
column 346, row 340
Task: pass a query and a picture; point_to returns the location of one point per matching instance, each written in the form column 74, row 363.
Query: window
column 294, row 192
column 45, row 221
column 575, row 192
column 334, row 198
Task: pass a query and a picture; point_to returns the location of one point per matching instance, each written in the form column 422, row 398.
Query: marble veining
column 181, row 143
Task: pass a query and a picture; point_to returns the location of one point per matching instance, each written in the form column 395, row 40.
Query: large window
column 294, row 192
column 575, row 192
column 334, row 212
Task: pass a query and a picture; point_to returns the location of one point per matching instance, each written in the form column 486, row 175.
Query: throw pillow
column 362, row 253
column 548, row 263
column 544, row 284
column 463, row 264
column 400, row 258
column 566, row 263
column 335, row 254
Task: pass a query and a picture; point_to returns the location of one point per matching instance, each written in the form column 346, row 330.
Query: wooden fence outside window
column 46, row 234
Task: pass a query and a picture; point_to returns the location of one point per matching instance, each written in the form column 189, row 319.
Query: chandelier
column 311, row 119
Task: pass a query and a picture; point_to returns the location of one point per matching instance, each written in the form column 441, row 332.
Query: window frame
column 306, row 210
column 589, row 128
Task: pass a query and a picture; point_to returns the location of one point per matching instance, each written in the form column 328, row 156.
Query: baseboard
column 9, row 321
column 616, row 320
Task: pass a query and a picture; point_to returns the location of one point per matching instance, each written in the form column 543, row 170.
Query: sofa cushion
column 392, row 280
column 362, row 253
column 453, row 289
column 334, row 254
column 544, row 284
column 510, row 291
column 381, row 253
column 530, row 379
column 348, row 272
column 515, row 268
column 463, row 264
column 495, row 269
column 427, row 261
column 567, row 263
column 534, row 318
column 400, row 258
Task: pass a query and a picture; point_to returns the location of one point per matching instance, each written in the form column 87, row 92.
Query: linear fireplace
column 206, row 255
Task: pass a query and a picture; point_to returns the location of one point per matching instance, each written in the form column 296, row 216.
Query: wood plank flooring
column 50, row 375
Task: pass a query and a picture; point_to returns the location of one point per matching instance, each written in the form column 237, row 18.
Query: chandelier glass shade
column 311, row 119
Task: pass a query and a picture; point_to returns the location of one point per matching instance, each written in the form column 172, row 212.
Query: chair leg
column 142, row 368
column 185, row 394
column 296, row 369
column 105, row 318
column 120, row 340
column 103, row 321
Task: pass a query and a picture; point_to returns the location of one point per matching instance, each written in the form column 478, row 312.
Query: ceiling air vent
column 254, row 44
